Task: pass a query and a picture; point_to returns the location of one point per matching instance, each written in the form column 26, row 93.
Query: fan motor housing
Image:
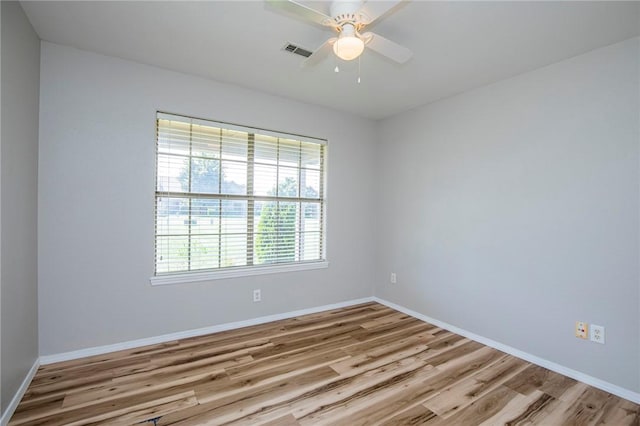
column 345, row 10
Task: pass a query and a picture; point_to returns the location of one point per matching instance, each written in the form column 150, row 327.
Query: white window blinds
column 228, row 196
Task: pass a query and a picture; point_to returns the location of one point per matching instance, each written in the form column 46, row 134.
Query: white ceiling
column 457, row 45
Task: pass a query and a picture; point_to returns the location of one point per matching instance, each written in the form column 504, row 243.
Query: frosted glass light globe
column 348, row 47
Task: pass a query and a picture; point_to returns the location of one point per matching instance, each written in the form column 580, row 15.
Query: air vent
column 290, row 47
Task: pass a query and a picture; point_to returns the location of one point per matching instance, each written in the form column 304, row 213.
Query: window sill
column 235, row 273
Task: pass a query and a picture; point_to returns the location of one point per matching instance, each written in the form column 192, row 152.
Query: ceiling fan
column 348, row 19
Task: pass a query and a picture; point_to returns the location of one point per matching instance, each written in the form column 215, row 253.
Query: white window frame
column 243, row 271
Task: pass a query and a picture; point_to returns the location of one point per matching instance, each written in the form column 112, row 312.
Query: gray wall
column 517, row 200
column 96, row 182
column 512, row 211
column 18, row 191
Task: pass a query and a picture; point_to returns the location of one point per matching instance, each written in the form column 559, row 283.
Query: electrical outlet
column 582, row 329
column 596, row 333
column 392, row 278
column 257, row 295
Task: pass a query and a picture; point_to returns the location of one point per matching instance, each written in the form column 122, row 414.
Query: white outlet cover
column 596, row 334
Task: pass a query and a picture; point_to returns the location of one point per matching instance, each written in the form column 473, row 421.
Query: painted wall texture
column 18, row 198
column 512, row 211
column 96, row 183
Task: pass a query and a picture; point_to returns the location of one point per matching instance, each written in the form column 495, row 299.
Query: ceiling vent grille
column 290, row 47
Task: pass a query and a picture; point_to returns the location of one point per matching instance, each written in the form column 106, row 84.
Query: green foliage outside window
column 276, row 234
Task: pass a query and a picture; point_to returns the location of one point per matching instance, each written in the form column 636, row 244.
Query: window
column 229, row 197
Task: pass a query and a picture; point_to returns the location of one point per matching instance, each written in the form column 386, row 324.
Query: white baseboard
column 577, row 375
column 574, row 374
column 11, row 408
column 99, row 350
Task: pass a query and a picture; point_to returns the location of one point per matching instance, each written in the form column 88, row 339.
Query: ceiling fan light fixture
column 348, row 47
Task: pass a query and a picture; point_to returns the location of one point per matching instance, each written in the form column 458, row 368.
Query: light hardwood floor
column 361, row 365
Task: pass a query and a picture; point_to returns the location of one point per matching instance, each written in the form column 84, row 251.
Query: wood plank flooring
column 361, row 365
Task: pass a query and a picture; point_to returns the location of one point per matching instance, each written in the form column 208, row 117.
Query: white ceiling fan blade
column 372, row 10
column 387, row 48
column 301, row 11
column 320, row 53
